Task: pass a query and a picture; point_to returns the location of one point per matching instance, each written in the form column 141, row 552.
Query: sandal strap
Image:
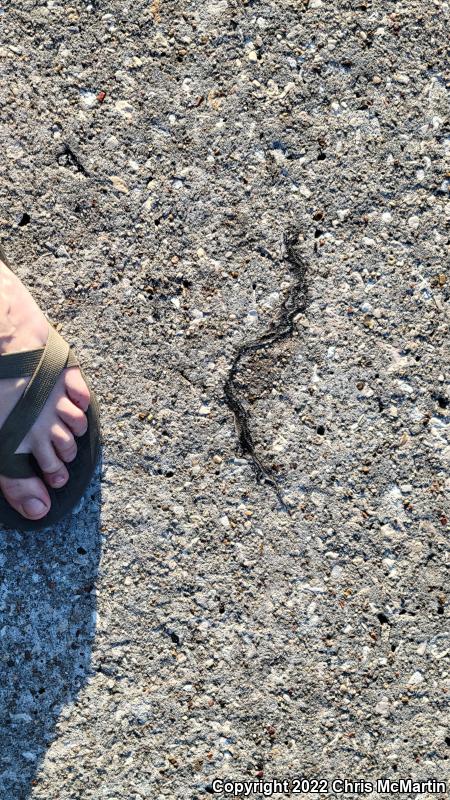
column 20, row 465
column 53, row 359
column 20, row 365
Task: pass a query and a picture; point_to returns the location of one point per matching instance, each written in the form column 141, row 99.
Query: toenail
column 33, row 506
column 58, row 480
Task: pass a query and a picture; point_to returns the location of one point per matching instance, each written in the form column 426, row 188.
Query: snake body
column 295, row 302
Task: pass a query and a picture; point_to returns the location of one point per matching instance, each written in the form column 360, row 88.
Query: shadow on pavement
column 47, row 626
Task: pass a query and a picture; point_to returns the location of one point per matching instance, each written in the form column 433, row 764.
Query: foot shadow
column 47, row 626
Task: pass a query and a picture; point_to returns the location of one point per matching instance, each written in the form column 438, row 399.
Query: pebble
column 119, row 184
column 305, row 191
column 125, row 109
column 415, row 679
column 29, row 756
column 383, row 707
column 88, row 98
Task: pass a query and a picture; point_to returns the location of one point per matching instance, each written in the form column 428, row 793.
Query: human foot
column 51, row 439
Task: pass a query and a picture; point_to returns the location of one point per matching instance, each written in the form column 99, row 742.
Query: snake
column 295, row 302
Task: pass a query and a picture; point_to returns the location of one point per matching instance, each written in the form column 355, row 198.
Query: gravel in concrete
column 186, row 625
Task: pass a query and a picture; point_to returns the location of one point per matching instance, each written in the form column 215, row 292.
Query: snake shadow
column 47, row 627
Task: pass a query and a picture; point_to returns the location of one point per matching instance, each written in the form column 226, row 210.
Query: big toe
column 28, row 496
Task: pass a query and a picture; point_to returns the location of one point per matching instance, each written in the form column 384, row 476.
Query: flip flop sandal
column 44, row 365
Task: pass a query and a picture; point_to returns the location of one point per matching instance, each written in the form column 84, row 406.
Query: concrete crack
column 294, row 303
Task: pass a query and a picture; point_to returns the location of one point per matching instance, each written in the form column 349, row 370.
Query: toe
column 45, row 455
column 63, row 442
column 28, row 496
column 72, row 416
column 57, row 479
column 76, row 388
